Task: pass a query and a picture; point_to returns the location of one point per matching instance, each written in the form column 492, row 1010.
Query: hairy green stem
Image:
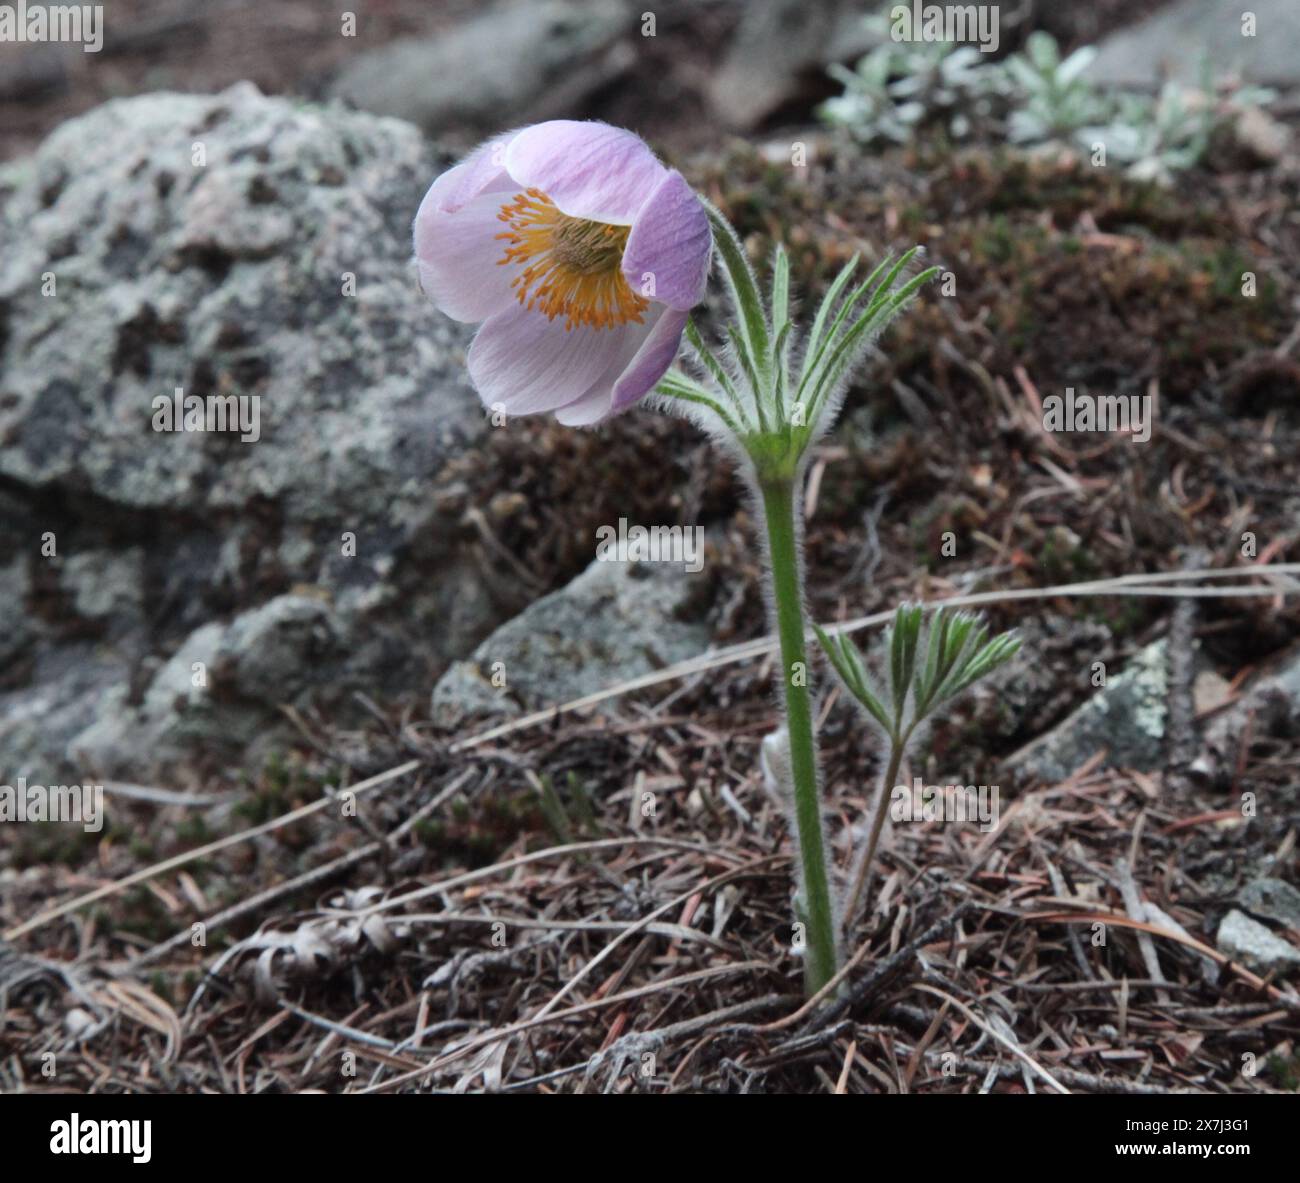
column 778, row 494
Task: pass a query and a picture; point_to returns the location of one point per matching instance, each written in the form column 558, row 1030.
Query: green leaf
column 778, row 368
column 847, row 661
column 813, row 345
column 812, row 367
column 886, row 285
column 878, row 314
column 959, row 631
column 714, row 366
column 781, row 326
column 959, row 652
column 675, row 384
column 895, row 660
column 993, row 654
column 780, row 288
column 924, row 686
column 832, row 649
column 905, row 633
column 853, row 662
column 743, row 289
column 751, row 374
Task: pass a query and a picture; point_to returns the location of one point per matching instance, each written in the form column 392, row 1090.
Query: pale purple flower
column 579, row 252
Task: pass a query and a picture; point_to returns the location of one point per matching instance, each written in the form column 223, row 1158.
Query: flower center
column 571, row 266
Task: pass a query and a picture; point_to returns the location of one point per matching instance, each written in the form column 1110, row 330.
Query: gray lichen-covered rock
column 1126, row 718
column 174, row 721
column 1273, row 899
column 230, row 246
column 527, row 62
column 226, row 277
column 106, row 585
column 615, row 621
column 212, row 695
column 16, row 633
column 1255, row 946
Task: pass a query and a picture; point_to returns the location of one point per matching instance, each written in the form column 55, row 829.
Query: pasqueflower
column 580, row 254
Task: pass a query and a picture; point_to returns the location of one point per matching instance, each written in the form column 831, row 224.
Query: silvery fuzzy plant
column 900, row 85
column 769, row 398
column 1035, row 97
column 580, row 255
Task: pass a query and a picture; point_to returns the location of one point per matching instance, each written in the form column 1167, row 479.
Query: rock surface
column 781, row 48
column 528, row 62
column 1172, row 41
column 226, row 245
column 1027, row 696
column 1273, row 899
column 612, row 623
column 1267, row 704
column 1126, row 718
column 1252, row 944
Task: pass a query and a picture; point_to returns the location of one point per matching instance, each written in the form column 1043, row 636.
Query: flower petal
column 587, row 411
column 528, row 363
column 633, row 374
column 459, row 258
column 651, row 361
column 589, row 170
column 594, row 404
column 482, row 171
column 671, row 244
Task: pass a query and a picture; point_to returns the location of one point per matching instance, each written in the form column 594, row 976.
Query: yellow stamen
column 571, row 266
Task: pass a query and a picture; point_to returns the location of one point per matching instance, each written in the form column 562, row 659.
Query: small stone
column 77, row 1022
column 1272, row 899
column 1263, row 137
column 1210, row 691
column 614, row 622
column 1249, row 942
